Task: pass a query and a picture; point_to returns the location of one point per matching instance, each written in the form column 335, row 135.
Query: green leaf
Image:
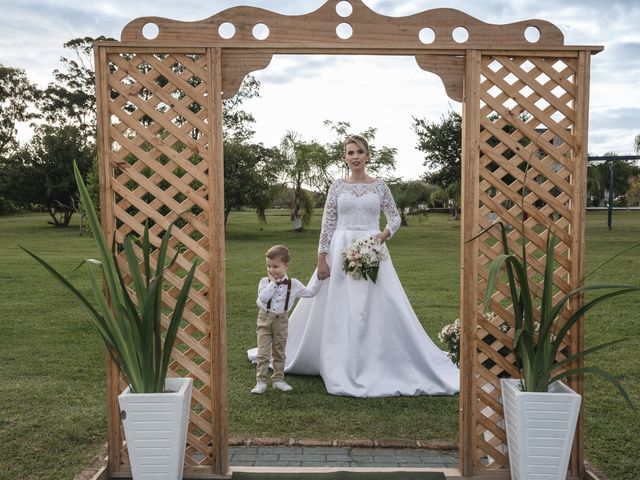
column 131, row 331
column 582, row 354
column 176, row 317
column 597, row 371
column 494, row 269
column 134, row 270
column 578, row 314
column 373, row 274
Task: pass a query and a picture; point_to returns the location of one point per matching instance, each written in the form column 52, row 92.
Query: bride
column 363, row 338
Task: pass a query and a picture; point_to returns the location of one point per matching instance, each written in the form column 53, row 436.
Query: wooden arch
column 160, row 150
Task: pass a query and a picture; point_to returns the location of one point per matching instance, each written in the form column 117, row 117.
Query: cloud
column 288, row 68
column 615, row 118
column 301, row 91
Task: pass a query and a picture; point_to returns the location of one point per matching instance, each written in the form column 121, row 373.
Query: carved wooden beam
column 237, row 64
column 368, row 30
column 450, row 69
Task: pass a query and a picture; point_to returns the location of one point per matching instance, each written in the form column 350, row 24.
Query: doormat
column 339, row 476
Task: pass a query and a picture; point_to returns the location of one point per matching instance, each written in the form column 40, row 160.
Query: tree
column 409, row 196
column 599, row 178
column 442, row 145
column 248, row 181
column 71, row 98
column 633, row 192
column 42, row 172
column 597, row 182
column 17, row 97
column 382, row 159
column 301, row 164
column 236, row 122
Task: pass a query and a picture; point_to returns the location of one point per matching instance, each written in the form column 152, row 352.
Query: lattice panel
column 526, row 163
column 159, row 159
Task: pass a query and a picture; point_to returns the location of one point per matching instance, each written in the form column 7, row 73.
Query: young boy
column 276, row 295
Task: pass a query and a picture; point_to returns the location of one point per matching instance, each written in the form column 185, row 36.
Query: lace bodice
column 357, row 206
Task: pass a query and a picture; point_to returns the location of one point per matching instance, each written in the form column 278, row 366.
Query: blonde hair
column 279, row 252
column 358, row 140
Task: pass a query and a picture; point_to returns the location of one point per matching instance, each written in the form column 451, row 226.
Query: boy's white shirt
column 278, row 293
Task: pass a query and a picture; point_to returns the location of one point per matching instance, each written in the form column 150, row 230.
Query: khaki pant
column 272, row 330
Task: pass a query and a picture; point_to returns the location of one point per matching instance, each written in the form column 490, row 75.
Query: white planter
column 155, row 427
column 540, row 428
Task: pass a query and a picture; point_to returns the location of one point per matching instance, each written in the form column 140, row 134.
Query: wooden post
column 578, row 250
column 219, row 433
column 469, row 261
column 108, row 226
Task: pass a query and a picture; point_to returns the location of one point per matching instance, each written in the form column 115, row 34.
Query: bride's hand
column 323, row 268
column 383, row 236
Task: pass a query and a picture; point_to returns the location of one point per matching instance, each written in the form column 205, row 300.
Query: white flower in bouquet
column 450, row 336
column 361, row 260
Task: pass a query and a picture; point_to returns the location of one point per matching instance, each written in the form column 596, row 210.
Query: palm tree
column 302, row 164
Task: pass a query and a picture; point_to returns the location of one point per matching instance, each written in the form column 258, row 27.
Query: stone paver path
column 298, row 456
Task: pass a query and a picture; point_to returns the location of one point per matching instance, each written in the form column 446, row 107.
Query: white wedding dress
column 363, row 338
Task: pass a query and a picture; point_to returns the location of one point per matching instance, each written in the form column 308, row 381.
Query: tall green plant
column 536, row 349
column 131, row 330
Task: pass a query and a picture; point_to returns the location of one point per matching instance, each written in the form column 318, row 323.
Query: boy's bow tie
column 286, row 281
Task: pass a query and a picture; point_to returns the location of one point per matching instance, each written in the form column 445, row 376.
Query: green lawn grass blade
column 597, row 371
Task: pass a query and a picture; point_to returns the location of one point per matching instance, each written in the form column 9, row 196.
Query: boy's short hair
column 279, row 252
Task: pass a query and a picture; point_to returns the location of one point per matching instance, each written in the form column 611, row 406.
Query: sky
column 299, row 92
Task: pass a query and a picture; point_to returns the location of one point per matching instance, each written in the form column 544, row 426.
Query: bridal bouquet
column 362, row 259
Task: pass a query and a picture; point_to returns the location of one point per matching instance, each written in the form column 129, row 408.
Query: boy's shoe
column 259, row 388
column 282, row 386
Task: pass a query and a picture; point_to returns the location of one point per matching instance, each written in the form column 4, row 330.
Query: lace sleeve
column 390, row 210
column 329, row 219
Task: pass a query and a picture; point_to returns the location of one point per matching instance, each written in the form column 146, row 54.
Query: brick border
column 352, row 443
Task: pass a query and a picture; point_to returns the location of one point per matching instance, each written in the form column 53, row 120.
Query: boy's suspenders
column 286, row 300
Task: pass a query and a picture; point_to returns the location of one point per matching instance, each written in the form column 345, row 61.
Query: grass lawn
column 52, row 395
